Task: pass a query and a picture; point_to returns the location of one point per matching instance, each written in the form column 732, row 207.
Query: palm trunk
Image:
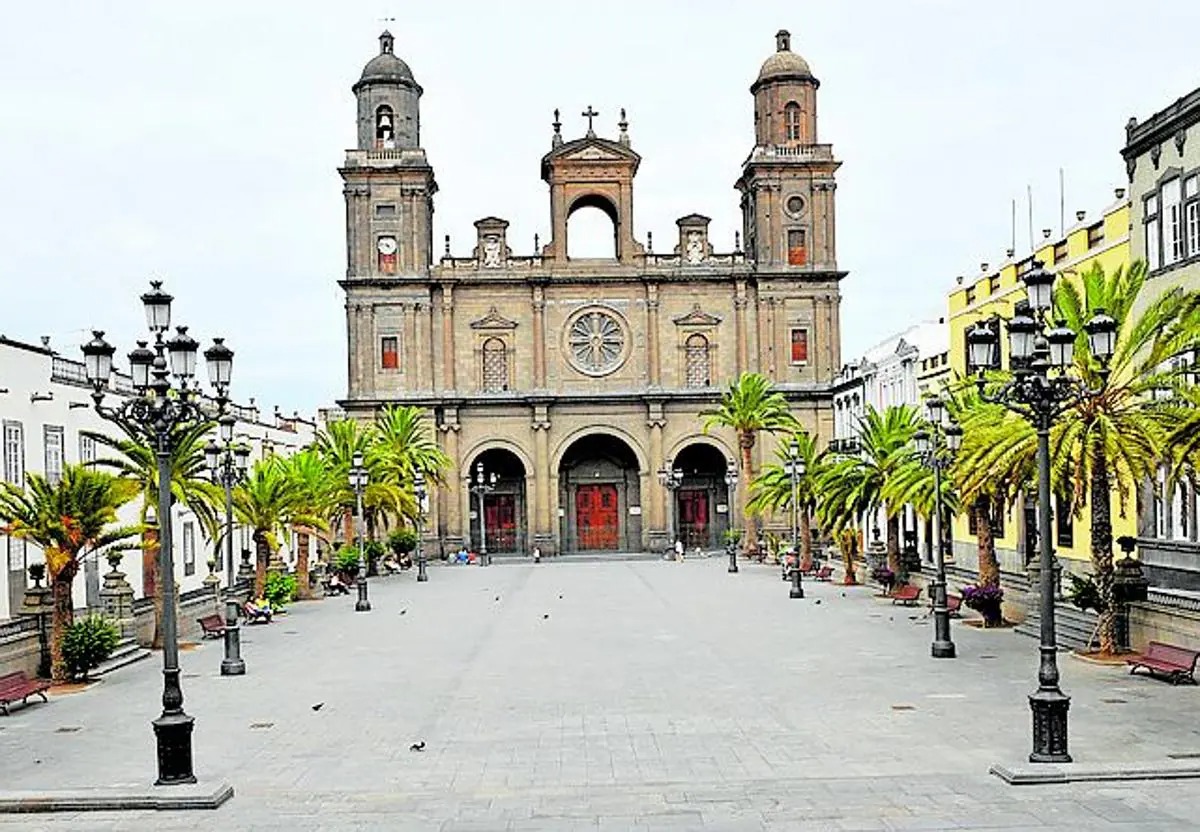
column 1102, row 557
column 150, row 553
column 989, row 569
column 303, row 591
column 847, row 543
column 261, row 559
column 893, row 543
column 746, row 443
column 805, row 539
column 62, row 618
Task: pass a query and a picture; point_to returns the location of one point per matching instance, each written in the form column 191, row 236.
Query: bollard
column 232, row 664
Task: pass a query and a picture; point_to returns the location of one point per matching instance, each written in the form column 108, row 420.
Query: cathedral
column 568, row 393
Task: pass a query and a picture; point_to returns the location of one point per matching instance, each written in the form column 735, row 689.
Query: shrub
column 986, row 601
column 88, row 642
column 346, row 559
column 402, row 541
column 1084, row 593
column 280, row 589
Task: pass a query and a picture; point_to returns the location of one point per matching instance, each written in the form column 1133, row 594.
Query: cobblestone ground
column 639, row 695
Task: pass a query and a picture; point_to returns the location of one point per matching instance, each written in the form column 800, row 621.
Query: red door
column 500, row 511
column 596, row 516
column 693, row 517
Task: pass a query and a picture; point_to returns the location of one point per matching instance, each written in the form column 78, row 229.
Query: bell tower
column 787, row 182
column 389, row 185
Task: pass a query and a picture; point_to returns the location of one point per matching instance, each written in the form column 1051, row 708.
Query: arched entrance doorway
column 702, row 505
column 504, row 506
column 599, row 494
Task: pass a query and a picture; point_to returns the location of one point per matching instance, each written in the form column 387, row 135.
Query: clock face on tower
column 387, row 254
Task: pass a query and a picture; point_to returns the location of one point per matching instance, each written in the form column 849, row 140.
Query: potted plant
column 37, row 573
column 985, row 600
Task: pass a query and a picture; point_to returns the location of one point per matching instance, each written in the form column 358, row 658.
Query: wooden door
column 500, row 511
column 693, row 517
column 596, row 516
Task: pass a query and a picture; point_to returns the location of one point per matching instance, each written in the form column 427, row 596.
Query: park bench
column 953, row 604
column 906, row 595
column 825, row 573
column 1176, row 663
column 212, row 626
column 17, row 687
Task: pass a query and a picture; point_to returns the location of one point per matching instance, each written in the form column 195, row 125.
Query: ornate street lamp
column 1040, row 390
column 731, row 481
column 422, row 506
column 485, row 483
column 795, row 468
column 671, row 478
column 936, row 447
column 359, row 479
column 227, row 466
column 153, row 414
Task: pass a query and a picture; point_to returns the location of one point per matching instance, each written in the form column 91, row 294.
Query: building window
column 1095, row 235
column 389, row 348
column 1172, row 223
column 1060, row 251
column 1192, row 214
column 385, row 209
column 791, row 118
column 52, row 440
column 696, row 361
column 14, row 453
column 797, row 242
column 189, row 548
column 1153, row 246
column 495, row 366
column 799, row 346
column 1065, row 521
column 87, row 448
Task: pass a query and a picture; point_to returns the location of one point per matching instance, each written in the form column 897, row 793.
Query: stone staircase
column 1072, row 626
column 128, row 651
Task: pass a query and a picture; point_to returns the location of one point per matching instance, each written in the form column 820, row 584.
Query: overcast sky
column 199, row 142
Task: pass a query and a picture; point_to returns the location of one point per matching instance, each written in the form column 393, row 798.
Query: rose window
column 597, row 342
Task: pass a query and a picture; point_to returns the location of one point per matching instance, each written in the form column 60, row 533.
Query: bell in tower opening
column 385, row 135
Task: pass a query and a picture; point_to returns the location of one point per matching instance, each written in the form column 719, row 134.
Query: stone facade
column 577, row 381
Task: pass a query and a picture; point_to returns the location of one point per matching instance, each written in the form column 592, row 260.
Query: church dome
column 386, row 68
column 784, row 63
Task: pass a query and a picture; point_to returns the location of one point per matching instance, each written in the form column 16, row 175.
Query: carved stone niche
column 693, row 248
column 491, row 245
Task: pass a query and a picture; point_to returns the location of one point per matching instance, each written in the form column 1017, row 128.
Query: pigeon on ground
column 318, row 706
column 417, row 746
column 403, row 611
column 560, row 597
column 545, row 616
column 497, row 597
column 817, row 601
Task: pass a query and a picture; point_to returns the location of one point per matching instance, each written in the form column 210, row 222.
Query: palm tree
column 857, row 484
column 772, row 488
column 69, row 519
column 317, row 498
column 271, row 503
column 384, row 497
column 137, row 461
column 750, row 405
column 1121, row 432
column 404, row 444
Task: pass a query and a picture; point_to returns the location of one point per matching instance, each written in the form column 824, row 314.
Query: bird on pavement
column 417, row 746
column 318, row 706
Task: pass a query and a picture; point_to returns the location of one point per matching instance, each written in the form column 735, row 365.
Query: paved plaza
column 636, row 695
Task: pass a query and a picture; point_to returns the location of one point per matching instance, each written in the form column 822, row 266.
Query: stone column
column 416, row 349
column 116, row 599
column 653, row 353
column 448, row 355
column 543, row 530
column 539, row 337
column 769, row 337
column 658, row 535
column 449, row 503
column 739, row 325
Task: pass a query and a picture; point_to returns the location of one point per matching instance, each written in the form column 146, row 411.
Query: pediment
column 693, row 219
column 587, row 150
column 697, row 317
column 493, row 320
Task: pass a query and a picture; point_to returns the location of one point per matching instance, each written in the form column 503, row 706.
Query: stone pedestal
column 38, row 602
column 245, row 572
column 116, row 600
column 214, row 586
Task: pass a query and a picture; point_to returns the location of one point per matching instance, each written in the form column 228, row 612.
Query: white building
column 896, row 371
column 45, row 407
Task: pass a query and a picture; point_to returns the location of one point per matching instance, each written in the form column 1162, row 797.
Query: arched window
column 791, row 119
column 495, row 366
column 385, row 127
column 696, row 361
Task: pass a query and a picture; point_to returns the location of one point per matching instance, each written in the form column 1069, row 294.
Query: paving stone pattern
column 639, row 695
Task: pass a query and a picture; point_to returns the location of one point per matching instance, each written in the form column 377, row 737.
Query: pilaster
column 653, row 357
column 543, row 521
column 448, row 354
column 538, row 302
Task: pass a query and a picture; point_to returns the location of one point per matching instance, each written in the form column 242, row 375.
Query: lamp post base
column 232, row 664
column 422, row 576
column 173, row 736
column 1049, row 707
column 363, row 604
column 942, row 650
column 797, row 591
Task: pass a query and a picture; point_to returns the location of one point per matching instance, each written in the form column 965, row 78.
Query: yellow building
column 992, row 293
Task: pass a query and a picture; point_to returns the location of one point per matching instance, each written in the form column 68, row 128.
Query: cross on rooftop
column 589, row 114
